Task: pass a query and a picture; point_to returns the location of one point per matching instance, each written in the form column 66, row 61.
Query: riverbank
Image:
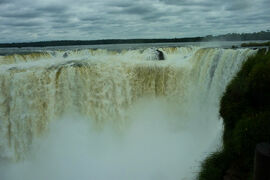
column 254, row 44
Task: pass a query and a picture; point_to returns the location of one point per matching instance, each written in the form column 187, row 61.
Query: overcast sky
column 38, row 20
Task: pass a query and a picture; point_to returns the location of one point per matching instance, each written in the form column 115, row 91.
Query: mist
column 157, row 143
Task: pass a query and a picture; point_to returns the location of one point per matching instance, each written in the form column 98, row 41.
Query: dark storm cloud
column 21, row 14
column 53, row 9
column 146, row 11
column 32, row 11
column 122, row 4
column 238, row 5
column 60, row 20
column 190, row 3
column 92, row 19
column 28, row 20
column 4, row 1
column 19, row 24
column 137, row 10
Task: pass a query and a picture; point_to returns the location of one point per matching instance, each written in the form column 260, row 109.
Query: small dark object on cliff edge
column 160, row 55
column 65, row 55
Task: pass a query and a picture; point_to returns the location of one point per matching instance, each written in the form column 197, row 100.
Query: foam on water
column 98, row 114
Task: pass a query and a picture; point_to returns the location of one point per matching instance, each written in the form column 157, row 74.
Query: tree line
column 263, row 35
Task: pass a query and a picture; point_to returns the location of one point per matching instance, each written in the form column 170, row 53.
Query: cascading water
column 98, row 114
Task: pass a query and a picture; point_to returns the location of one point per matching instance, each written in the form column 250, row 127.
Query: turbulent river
column 119, row 115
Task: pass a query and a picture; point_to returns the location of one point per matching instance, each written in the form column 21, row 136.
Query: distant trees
column 252, row 44
column 98, row 42
column 263, row 35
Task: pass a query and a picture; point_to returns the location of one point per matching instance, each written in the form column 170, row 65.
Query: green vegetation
column 253, row 44
column 263, row 35
column 245, row 109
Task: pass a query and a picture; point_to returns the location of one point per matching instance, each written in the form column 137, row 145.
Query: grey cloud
column 92, row 19
column 190, row 3
column 56, row 9
column 19, row 23
column 60, row 20
column 89, row 28
column 146, row 12
column 122, row 4
column 30, row 12
column 5, row 1
column 238, row 5
column 22, row 20
column 131, row 8
column 65, row 26
column 21, row 14
column 158, row 15
column 137, row 10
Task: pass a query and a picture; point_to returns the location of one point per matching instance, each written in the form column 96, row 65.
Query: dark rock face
column 65, row 55
column 160, row 55
column 233, row 174
column 262, row 161
column 13, row 68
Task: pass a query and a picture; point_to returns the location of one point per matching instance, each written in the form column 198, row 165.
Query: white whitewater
column 98, row 114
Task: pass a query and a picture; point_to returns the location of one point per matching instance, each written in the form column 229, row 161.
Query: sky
column 39, row 20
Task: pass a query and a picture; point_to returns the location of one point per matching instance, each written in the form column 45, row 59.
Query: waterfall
column 104, row 87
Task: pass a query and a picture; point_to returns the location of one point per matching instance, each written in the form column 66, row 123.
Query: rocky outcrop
column 160, row 55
